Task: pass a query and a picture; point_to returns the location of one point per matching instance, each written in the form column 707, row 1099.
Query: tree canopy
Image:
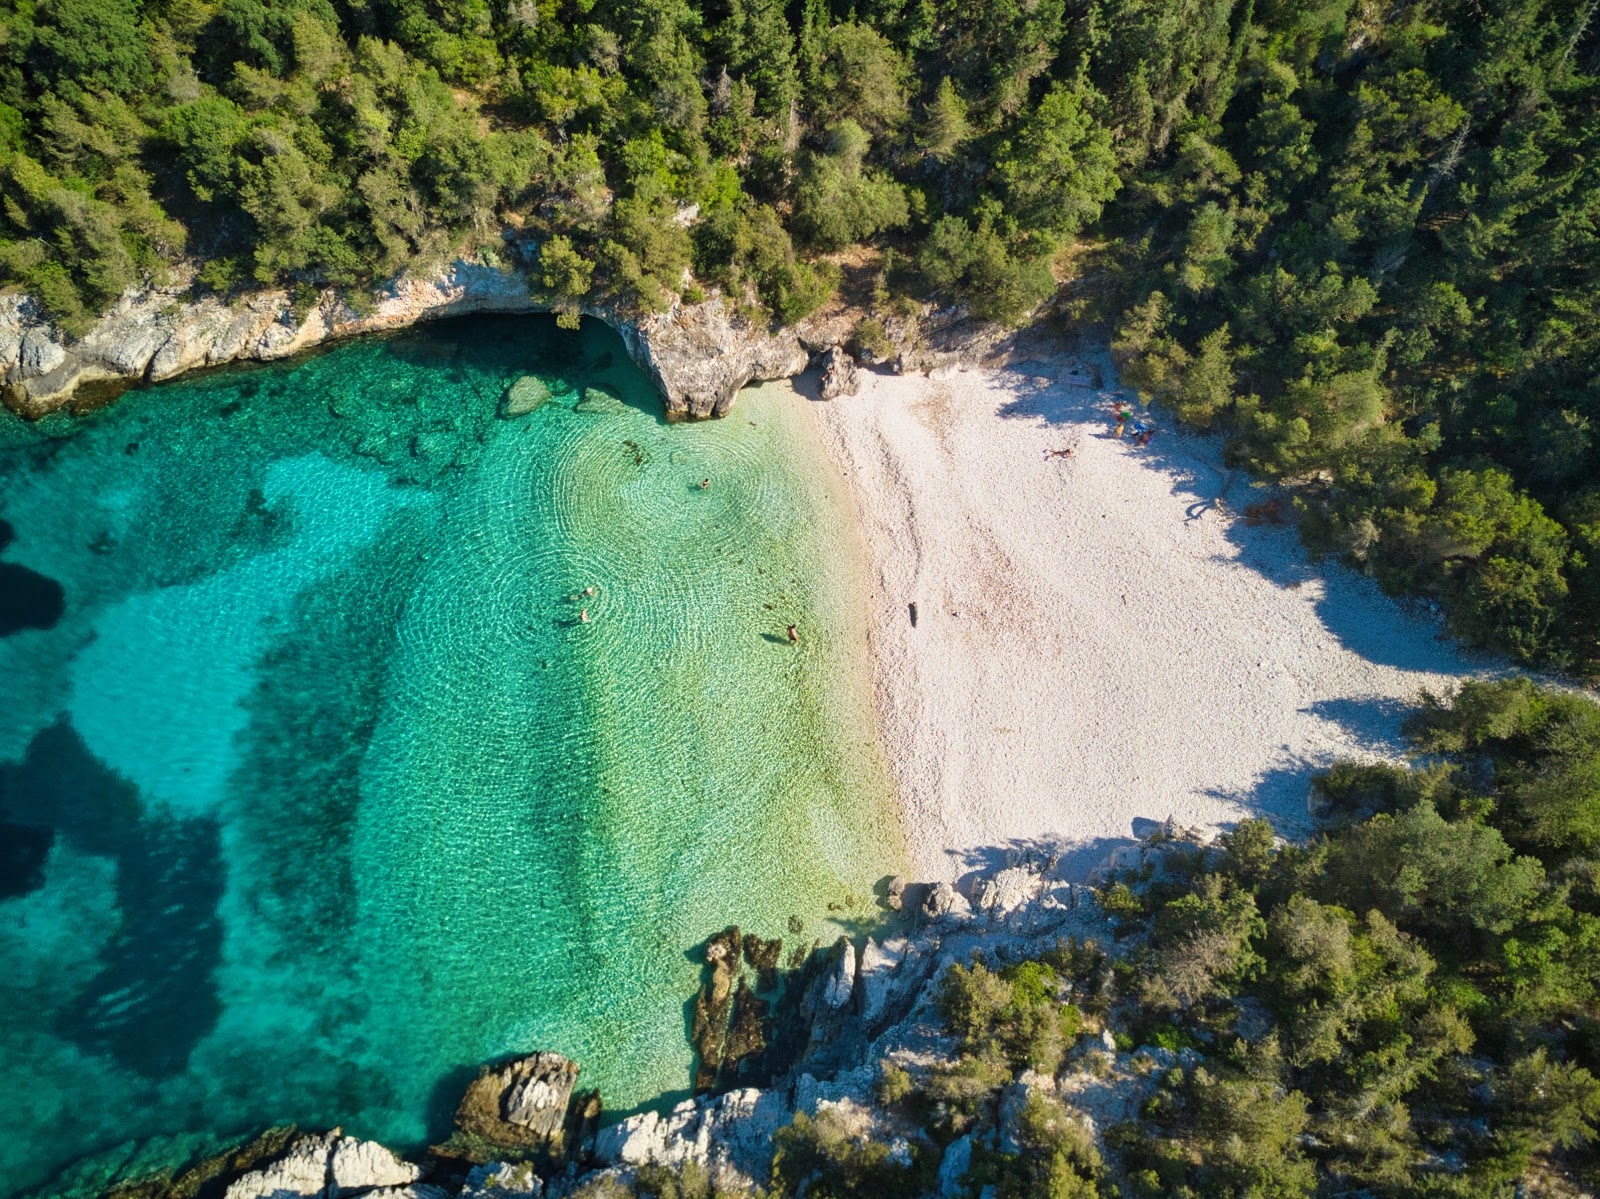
column 1359, row 240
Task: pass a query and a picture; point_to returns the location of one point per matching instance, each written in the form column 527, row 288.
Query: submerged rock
column 526, row 395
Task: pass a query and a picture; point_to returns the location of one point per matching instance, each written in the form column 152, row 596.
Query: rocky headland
column 697, row 355
column 810, row 1037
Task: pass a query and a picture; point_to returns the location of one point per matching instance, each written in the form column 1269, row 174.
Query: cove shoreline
column 1072, row 649
column 698, row 356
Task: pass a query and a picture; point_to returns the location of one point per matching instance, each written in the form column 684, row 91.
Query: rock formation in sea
column 697, row 355
column 832, row 1020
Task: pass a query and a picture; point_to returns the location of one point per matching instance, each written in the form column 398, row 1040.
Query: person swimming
column 794, row 635
column 583, row 616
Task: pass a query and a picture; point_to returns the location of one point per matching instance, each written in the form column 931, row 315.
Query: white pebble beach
column 1101, row 640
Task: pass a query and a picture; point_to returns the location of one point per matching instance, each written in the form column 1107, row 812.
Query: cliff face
column 697, row 356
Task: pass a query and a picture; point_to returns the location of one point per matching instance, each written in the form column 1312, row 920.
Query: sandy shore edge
column 1068, row 647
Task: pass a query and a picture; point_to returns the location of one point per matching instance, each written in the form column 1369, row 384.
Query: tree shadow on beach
column 1350, row 606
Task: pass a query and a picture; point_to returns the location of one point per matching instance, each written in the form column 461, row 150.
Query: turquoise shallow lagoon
column 316, row 791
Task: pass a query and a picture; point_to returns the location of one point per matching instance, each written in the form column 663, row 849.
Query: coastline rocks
column 733, row 1131
column 841, row 979
column 881, row 983
column 1007, row 891
column 301, row 1171
column 839, row 375
column 521, row 1104
column 498, row 1180
column 357, row 1165
column 329, row 1167
column 944, row 902
column 697, row 356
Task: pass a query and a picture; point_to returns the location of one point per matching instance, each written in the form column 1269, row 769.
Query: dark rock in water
column 522, row 1105
column 762, row 956
column 839, row 375
column 205, row 1177
column 713, row 1006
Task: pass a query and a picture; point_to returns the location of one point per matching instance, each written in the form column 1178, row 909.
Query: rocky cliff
column 697, row 355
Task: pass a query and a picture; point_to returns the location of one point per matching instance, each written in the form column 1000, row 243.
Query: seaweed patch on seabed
column 154, row 997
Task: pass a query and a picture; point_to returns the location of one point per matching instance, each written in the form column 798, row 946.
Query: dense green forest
column 1358, row 237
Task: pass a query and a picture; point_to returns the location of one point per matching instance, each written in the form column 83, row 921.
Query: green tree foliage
column 827, row 1158
column 1362, row 242
column 1015, row 1015
column 840, row 200
column 1058, row 169
column 1420, row 993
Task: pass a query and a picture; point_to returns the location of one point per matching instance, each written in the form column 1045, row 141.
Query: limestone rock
column 522, row 1103
column 841, row 978
column 526, row 395
column 497, row 1180
column 301, row 1171
column 418, row 1190
column 732, row 1131
column 699, row 357
column 953, row 1167
column 357, row 1165
column 876, row 971
column 40, row 353
column 895, row 893
column 539, row 1100
column 944, row 902
column 1007, row 891
column 839, row 375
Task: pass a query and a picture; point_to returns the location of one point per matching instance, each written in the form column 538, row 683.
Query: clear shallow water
column 317, row 791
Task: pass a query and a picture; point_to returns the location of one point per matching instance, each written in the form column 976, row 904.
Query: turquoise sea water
column 316, row 791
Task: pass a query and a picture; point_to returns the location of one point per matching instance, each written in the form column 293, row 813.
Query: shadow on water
column 28, row 599
column 154, row 997
column 1350, row 607
column 594, row 355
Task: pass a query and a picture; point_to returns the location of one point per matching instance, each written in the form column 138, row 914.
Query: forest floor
column 1069, row 647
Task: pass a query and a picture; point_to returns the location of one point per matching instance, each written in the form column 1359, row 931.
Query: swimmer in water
column 794, row 635
column 583, row 616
